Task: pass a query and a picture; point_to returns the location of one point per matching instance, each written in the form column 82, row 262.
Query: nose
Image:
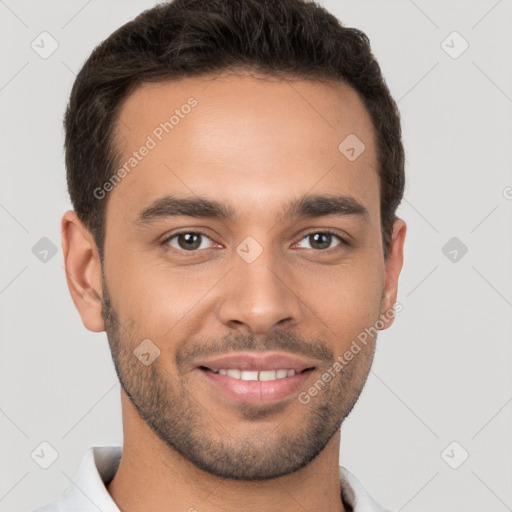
column 261, row 295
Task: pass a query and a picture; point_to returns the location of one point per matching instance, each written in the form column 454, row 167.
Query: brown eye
column 187, row 241
column 322, row 240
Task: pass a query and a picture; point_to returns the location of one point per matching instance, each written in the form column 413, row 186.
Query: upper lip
column 257, row 362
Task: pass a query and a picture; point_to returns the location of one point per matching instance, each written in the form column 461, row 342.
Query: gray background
column 442, row 373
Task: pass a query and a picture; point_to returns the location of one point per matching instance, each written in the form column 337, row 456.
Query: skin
column 253, row 144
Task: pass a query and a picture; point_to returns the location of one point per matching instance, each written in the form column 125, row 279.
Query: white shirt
column 89, row 492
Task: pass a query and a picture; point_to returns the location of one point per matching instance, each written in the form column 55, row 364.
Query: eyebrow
column 307, row 206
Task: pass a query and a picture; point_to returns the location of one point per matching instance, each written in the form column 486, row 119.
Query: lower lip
column 256, row 391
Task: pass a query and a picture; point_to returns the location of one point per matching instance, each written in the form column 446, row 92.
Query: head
column 235, row 169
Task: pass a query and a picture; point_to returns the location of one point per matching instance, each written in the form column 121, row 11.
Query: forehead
column 251, row 141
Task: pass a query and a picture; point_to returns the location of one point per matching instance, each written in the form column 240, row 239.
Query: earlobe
column 392, row 272
column 83, row 270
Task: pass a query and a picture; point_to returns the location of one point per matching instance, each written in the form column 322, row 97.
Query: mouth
column 256, row 379
column 252, row 375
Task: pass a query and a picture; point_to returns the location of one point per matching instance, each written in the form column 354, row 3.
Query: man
column 235, row 168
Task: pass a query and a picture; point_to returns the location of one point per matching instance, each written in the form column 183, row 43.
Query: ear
column 392, row 272
column 83, row 270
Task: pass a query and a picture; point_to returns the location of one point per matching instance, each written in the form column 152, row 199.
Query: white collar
column 99, row 465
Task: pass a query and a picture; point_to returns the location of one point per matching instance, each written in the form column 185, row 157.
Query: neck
column 153, row 477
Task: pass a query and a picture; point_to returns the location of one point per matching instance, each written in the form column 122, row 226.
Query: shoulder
column 52, row 507
column 354, row 494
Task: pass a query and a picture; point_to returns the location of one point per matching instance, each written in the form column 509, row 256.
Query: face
column 244, row 239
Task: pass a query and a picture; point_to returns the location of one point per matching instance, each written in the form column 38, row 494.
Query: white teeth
column 268, row 375
column 263, row 375
column 246, row 375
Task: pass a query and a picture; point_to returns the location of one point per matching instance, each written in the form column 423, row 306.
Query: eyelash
column 185, row 254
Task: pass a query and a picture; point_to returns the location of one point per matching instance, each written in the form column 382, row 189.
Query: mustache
column 279, row 341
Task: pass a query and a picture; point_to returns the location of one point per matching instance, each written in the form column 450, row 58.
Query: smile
column 256, row 387
column 264, row 375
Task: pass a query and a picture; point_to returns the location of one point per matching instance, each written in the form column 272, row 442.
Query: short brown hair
column 187, row 38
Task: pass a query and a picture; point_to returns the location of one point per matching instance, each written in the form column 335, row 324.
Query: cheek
column 350, row 298
column 162, row 300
